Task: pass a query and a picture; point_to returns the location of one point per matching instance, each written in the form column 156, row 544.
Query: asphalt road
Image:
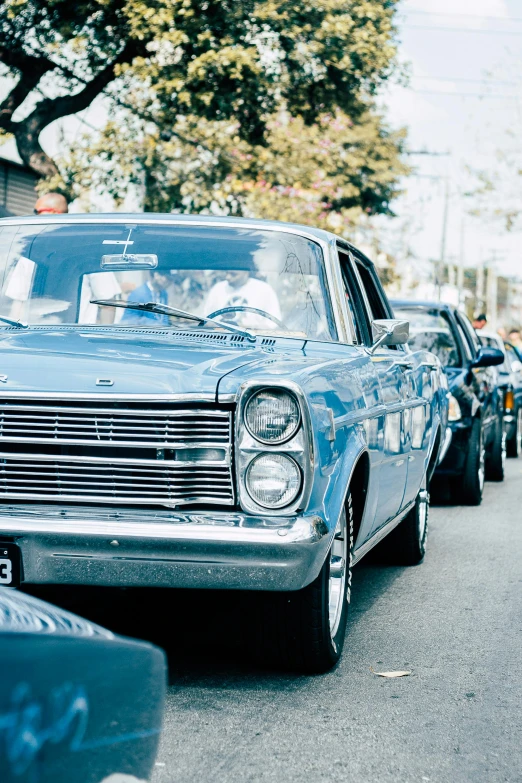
column 455, row 622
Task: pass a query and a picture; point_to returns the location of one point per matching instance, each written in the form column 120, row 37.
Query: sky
column 463, row 106
column 463, row 103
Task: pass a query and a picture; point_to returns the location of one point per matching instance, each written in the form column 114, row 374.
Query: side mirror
column 389, row 331
column 488, row 357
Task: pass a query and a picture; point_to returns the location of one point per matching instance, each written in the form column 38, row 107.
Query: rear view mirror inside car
column 124, row 261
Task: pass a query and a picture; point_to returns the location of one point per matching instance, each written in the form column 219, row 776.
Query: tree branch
column 31, row 70
column 28, row 130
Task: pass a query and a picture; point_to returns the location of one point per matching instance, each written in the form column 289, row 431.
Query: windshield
column 51, row 273
column 430, row 331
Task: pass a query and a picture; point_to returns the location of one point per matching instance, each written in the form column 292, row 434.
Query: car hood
column 62, row 361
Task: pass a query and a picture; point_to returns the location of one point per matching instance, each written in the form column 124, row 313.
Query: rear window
column 430, row 331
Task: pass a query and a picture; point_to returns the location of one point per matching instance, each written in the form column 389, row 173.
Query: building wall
column 17, row 193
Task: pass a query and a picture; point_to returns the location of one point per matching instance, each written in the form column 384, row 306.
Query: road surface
column 454, row 622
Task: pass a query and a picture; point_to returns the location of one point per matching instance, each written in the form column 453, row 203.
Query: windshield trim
column 325, row 243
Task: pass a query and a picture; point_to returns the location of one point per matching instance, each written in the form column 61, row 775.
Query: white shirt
column 255, row 293
column 98, row 285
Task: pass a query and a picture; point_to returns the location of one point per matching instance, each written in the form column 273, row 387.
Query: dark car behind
column 510, row 379
column 476, row 411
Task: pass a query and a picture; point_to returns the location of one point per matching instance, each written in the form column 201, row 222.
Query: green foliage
column 323, row 174
column 250, row 107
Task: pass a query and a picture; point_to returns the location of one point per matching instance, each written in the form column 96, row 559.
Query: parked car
column 510, row 379
column 77, row 703
column 476, row 398
column 214, row 403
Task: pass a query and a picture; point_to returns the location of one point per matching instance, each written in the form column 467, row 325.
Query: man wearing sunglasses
column 51, row 204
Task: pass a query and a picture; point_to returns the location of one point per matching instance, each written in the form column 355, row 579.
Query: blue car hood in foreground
column 74, row 361
column 77, row 703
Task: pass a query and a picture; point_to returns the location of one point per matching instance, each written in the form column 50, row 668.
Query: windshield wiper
column 12, row 322
column 161, row 309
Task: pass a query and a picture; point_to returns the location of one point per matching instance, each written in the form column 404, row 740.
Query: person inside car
column 152, row 290
column 240, row 289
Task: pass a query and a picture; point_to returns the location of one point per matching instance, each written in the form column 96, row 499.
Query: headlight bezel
column 272, row 441
column 300, row 447
column 274, row 455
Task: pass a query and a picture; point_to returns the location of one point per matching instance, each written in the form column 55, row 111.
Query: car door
column 483, row 381
column 393, row 367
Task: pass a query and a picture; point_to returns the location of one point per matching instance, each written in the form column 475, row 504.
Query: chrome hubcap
column 424, row 500
column 337, row 581
column 482, row 464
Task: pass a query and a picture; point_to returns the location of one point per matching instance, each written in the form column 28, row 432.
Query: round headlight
column 273, row 480
column 272, row 416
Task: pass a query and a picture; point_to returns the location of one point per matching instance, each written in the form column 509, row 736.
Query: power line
column 485, row 80
column 467, row 94
column 465, row 16
column 460, row 29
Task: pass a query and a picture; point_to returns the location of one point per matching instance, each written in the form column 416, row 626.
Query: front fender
column 333, row 473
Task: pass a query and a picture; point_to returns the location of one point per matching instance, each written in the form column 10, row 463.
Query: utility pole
column 460, row 268
column 442, row 258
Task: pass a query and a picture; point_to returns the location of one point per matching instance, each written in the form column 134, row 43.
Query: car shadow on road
column 207, row 635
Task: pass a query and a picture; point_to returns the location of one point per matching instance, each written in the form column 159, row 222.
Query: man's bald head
column 51, row 204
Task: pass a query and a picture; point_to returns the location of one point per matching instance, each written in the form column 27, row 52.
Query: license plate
column 10, row 561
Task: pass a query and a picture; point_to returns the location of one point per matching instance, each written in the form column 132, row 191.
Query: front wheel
column 497, row 456
column 468, row 488
column 304, row 630
column 514, row 443
column 406, row 544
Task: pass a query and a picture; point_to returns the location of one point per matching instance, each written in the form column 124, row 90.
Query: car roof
column 421, row 304
column 183, row 219
column 170, row 217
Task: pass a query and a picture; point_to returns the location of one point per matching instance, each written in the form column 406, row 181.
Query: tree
column 325, row 174
column 212, row 60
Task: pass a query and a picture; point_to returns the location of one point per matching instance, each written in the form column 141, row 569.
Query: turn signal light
column 509, row 401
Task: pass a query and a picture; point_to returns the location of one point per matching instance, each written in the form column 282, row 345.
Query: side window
column 354, row 299
column 373, row 294
column 473, row 340
column 465, row 344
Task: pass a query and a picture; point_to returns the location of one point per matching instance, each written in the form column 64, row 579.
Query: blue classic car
column 77, row 703
column 214, row 403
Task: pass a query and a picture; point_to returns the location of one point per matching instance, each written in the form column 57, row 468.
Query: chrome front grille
column 140, row 427
column 86, row 452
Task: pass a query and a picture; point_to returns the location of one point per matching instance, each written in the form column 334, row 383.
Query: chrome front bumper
column 95, row 546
